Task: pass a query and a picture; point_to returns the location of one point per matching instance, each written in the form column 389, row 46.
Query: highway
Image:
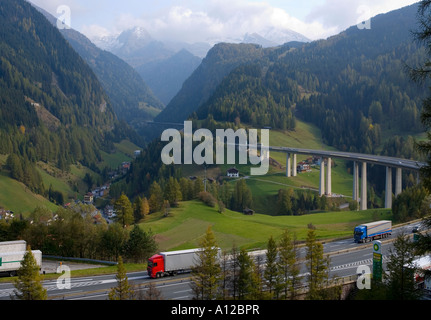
column 346, row 256
column 380, row 160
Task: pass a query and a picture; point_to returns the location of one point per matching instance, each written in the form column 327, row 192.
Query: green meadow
column 186, row 225
column 17, row 197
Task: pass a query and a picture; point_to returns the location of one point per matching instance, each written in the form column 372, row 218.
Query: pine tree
column 124, row 210
column 138, row 209
column 152, row 293
column 257, row 291
column 245, row 275
column 400, row 281
column 135, row 245
column 123, row 290
column 271, row 274
column 140, row 245
column 206, row 273
column 232, row 272
column 423, row 244
column 29, row 282
column 288, row 267
column 156, row 197
column 317, row 267
column 421, row 74
column 172, row 191
column 145, row 207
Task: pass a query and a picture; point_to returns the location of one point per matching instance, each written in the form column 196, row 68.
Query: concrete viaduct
column 359, row 161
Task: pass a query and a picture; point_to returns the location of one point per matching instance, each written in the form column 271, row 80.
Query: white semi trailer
column 11, row 255
column 172, row 262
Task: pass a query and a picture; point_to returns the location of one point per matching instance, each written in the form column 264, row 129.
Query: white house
column 233, row 173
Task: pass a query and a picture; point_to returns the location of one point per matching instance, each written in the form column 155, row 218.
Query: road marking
column 183, row 298
column 188, row 290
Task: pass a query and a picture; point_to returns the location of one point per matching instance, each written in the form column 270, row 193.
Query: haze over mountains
column 129, row 42
column 166, row 65
column 354, row 82
column 131, row 98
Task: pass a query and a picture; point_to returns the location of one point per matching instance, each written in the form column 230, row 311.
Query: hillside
column 354, row 86
column 53, row 108
column 131, row 98
column 218, row 63
column 185, row 226
column 165, row 77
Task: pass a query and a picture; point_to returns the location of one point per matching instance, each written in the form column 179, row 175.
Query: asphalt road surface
column 346, row 257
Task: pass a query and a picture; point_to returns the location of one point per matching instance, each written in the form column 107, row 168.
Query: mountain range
column 137, row 41
column 53, row 108
column 165, row 66
column 131, row 98
column 353, row 86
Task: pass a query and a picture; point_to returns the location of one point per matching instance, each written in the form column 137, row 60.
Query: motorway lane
column 171, row 288
column 349, row 257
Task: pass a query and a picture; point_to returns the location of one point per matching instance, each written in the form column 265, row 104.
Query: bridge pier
column 291, row 170
column 322, row 177
column 329, row 177
column 364, row 186
column 388, row 188
column 398, row 181
column 355, row 181
column 288, row 165
column 359, row 192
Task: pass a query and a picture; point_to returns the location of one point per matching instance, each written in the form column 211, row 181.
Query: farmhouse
column 233, row 173
column 303, row 167
column 248, row 212
column 88, row 198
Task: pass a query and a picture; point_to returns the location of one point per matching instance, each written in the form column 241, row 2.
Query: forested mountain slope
column 131, row 98
column 165, row 77
column 219, row 62
column 52, row 106
column 354, row 86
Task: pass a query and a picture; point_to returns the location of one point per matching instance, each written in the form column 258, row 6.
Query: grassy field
column 186, row 224
column 265, row 188
column 17, row 197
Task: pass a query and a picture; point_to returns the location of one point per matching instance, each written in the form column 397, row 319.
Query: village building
column 233, row 173
column 88, row 198
column 248, row 212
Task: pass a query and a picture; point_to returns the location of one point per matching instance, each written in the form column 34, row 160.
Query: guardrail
column 112, row 263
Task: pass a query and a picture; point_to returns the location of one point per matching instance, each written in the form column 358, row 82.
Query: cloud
column 214, row 20
column 218, row 19
column 341, row 14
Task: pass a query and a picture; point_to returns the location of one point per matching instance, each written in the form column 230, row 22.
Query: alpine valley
column 75, row 117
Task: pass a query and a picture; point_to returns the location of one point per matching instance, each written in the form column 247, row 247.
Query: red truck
column 173, row 262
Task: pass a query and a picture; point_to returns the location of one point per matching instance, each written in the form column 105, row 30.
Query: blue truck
column 373, row 230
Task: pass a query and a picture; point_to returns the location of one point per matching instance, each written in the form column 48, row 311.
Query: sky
column 199, row 21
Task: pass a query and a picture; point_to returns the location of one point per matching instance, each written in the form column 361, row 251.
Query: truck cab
column 156, row 266
column 360, row 233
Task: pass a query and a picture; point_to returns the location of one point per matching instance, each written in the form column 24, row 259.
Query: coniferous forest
column 52, row 106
